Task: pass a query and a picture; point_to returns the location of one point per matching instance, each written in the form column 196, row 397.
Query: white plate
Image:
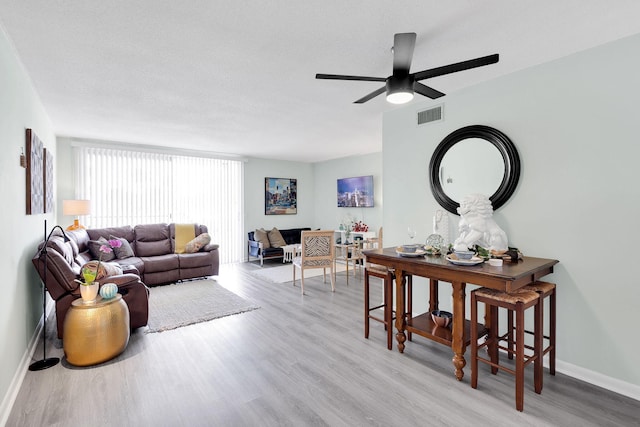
column 417, row 253
column 473, row 261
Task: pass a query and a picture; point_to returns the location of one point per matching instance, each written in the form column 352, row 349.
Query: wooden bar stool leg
column 510, row 334
column 538, row 336
column 409, row 306
column 552, row 332
column 474, row 340
column 494, row 333
column 388, row 309
column 366, row 305
column 519, row 357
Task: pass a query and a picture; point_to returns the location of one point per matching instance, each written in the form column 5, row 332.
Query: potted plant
column 89, row 287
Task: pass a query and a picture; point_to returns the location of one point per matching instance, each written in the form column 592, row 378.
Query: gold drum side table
column 95, row 332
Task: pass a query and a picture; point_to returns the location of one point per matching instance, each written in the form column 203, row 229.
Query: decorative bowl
column 441, row 318
column 410, row 248
column 108, row 290
column 464, row 254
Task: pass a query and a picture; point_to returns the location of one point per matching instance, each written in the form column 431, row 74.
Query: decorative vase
column 89, row 292
column 108, row 290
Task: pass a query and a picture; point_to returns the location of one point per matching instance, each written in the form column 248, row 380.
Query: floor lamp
column 45, row 363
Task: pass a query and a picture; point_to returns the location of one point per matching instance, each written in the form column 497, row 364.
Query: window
column 130, row 188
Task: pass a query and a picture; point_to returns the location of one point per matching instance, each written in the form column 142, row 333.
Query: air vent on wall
column 431, row 115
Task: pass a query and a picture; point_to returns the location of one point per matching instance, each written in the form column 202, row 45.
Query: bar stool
column 544, row 289
column 387, row 276
column 517, row 302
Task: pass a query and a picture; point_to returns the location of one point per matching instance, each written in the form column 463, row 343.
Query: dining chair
column 317, row 251
column 349, row 253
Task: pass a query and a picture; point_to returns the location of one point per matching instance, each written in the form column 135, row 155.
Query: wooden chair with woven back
column 317, row 251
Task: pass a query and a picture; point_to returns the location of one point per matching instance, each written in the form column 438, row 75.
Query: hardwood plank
column 298, row 360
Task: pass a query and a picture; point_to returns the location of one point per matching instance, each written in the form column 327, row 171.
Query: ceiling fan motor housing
column 399, row 88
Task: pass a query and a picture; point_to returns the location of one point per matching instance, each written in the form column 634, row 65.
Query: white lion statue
column 477, row 226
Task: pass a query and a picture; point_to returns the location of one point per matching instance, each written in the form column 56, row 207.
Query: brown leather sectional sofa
column 154, row 258
column 154, row 263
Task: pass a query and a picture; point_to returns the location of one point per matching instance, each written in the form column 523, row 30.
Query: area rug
column 182, row 304
column 284, row 273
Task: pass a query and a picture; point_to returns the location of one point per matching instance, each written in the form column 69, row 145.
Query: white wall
column 574, row 123
column 21, row 301
column 317, row 192
column 328, row 214
column 255, row 171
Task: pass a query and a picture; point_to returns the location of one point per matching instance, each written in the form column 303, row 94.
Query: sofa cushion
column 152, row 240
column 275, row 238
column 125, row 231
column 125, row 250
column 198, row 243
column 160, row 263
column 94, row 249
column 261, row 236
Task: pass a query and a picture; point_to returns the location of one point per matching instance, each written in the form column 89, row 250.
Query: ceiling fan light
column 401, row 97
column 399, row 89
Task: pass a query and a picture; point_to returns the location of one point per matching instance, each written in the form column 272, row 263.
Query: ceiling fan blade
column 426, row 91
column 371, row 95
column 341, row 77
column 459, row 66
column 403, row 45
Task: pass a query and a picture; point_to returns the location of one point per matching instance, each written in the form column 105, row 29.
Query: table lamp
column 76, row 208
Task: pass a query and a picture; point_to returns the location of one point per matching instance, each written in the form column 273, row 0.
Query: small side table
column 95, row 332
column 291, row 251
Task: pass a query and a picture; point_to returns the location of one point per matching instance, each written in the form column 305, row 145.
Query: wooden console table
column 509, row 277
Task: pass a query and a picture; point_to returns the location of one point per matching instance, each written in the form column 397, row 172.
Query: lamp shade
column 76, row 207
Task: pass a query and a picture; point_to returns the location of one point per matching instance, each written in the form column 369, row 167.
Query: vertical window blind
column 130, row 188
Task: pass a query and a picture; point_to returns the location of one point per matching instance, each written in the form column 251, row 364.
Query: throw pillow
column 184, row 233
column 198, row 243
column 107, row 269
column 260, row 235
column 275, row 238
column 94, row 249
column 125, row 250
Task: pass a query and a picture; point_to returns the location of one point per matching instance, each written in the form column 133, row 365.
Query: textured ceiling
column 238, row 77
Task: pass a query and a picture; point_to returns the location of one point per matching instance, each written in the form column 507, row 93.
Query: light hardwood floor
column 296, row 361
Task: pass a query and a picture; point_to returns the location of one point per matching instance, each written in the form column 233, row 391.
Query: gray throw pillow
column 94, row 249
column 125, row 250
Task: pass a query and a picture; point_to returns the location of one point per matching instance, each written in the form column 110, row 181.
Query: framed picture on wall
column 280, row 196
column 48, row 180
column 35, row 174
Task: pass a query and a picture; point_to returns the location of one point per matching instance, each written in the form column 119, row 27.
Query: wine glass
column 412, row 233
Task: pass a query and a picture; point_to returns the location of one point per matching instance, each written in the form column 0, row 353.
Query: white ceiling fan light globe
column 401, row 97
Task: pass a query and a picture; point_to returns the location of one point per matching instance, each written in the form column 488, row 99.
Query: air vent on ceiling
column 431, row 115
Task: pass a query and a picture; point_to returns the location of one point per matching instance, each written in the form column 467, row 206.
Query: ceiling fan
column 401, row 85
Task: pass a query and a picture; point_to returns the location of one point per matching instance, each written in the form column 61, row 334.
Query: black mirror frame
column 500, row 141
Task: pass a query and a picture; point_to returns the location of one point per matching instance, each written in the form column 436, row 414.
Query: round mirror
column 474, row 159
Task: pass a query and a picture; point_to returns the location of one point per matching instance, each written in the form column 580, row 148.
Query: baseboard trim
column 598, row 379
column 18, row 377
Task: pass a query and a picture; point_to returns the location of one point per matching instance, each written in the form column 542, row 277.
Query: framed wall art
column 48, row 181
column 280, row 196
column 35, row 174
